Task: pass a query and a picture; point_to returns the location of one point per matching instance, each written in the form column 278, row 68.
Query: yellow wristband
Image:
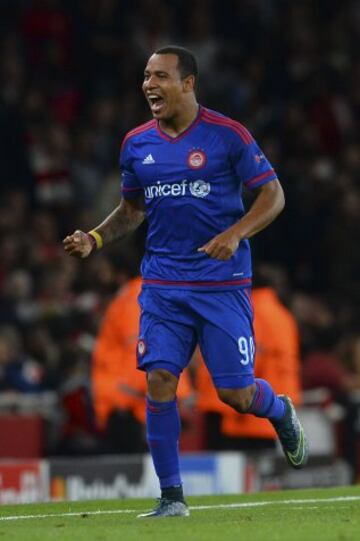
column 98, row 239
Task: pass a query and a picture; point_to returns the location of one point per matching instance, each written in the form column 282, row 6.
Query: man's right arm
column 123, row 220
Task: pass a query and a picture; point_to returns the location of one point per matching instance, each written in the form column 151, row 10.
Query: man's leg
column 260, row 400
column 227, row 345
column 163, row 432
column 165, row 347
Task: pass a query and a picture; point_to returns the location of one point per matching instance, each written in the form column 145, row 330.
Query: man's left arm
column 268, row 204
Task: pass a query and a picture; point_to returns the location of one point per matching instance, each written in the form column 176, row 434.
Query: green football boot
column 291, row 435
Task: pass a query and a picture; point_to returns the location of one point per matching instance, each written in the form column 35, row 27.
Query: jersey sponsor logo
column 198, row 188
column 197, row 159
column 148, row 160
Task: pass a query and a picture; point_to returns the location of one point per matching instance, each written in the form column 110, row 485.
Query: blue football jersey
column 192, row 186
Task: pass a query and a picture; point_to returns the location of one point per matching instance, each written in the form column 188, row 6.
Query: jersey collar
column 175, row 139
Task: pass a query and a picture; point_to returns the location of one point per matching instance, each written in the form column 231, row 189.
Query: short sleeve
column 251, row 165
column 130, row 185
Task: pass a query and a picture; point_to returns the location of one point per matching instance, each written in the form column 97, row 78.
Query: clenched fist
column 78, row 244
column 223, row 246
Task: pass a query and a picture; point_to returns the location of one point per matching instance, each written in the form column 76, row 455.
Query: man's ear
column 189, row 83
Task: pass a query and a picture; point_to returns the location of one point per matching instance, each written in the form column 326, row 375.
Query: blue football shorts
column 173, row 322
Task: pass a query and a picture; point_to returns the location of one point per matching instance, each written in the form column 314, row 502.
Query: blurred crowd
column 70, row 89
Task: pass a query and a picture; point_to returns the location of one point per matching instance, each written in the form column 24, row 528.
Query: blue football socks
column 163, row 432
column 266, row 403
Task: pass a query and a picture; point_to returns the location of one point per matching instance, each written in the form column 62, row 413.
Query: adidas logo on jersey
column 148, row 160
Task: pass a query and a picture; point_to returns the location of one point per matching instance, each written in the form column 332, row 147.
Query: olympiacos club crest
column 197, row 159
column 141, row 347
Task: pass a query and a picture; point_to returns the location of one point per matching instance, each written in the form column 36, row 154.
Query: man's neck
column 180, row 123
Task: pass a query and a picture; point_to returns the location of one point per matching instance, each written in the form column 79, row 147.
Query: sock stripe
column 153, row 409
column 265, row 402
column 160, row 407
column 259, row 397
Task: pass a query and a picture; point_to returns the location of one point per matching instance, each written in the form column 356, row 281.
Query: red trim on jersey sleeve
column 137, row 189
column 131, row 193
column 251, row 183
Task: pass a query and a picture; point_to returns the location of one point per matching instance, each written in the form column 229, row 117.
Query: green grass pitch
column 306, row 515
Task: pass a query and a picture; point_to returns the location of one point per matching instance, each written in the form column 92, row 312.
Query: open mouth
column 156, row 102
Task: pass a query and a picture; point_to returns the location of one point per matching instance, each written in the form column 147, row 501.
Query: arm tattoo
column 123, row 220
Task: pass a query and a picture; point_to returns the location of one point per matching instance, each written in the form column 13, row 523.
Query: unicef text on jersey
column 197, row 188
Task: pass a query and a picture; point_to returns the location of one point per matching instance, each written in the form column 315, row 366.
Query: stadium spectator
column 277, row 358
column 118, row 388
column 18, row 373
column 208, row 403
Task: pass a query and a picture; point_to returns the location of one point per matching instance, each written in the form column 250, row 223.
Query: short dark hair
column 187, row 64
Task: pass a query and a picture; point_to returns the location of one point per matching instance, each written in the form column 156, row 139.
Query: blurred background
column 71, row 74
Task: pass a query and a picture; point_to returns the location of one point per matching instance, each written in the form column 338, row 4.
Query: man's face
column 163, row 87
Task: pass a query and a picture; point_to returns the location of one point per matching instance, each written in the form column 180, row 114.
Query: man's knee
column 161, row 385
column 239, row 399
